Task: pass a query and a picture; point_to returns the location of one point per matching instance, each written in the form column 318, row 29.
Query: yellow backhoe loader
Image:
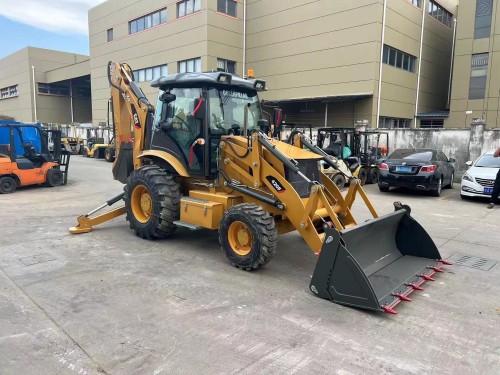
column 203, row 159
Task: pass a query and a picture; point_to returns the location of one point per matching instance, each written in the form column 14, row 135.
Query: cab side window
column 185, row 128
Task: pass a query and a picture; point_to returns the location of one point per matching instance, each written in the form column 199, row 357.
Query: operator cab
column 195, row 109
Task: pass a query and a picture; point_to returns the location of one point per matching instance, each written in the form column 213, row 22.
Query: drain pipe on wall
column 244, row 38
column 424, row 7
column 381, row 64
column 451, row 62
column 34, row 93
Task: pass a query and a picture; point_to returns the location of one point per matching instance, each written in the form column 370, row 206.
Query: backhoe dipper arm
column 130, row 109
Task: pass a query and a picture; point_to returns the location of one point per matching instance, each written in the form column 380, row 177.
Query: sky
column 53, row 24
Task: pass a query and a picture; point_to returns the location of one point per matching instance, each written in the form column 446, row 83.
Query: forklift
column 25, row 158
column 361, row 151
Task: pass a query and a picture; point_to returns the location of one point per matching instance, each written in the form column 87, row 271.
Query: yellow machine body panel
column 169, row 158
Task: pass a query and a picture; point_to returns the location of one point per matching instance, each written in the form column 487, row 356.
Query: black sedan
column 417, row 168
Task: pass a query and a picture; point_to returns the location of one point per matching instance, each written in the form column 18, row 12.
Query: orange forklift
column 25, row 158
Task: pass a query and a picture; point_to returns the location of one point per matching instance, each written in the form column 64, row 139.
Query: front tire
column 54, row 178
column 383, row 189
column 7, row 185
column 248, row 236
column 152, row 202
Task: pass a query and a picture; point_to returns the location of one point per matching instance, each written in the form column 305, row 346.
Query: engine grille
column 310, row 168
column 485, row 181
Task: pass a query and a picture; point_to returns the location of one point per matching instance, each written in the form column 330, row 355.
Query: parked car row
column 431, row 170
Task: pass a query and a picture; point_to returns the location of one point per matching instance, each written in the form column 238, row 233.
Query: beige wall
column 17, row 69
column 399, row 87
column 466, row 45
column 304, row 49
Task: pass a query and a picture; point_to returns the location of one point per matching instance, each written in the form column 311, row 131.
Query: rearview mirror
column 167, row 97
column 469, row 163
column 452, row 160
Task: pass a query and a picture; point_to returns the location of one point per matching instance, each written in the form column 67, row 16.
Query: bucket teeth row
column 389, row 309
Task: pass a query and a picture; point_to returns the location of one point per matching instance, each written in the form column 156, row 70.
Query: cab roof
column 220, row 79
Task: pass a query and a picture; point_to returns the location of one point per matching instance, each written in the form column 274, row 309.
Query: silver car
column 479, row 179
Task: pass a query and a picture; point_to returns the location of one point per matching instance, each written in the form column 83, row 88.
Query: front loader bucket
column 377, row 264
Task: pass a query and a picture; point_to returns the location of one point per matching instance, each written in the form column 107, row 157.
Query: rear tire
column 373, row 176
column 362, row 176
column 339, row 181
column 152, row 202
column 108, row 155
column 7, row 185
column 437, row 191
column 54, row 178
column 450, row 185
column 248, row 236
column 383, row 189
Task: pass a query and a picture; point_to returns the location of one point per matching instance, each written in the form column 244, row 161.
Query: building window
column 149, row 74
column 227, row 6
column 187, row 7
column 9, row 92
column 432, row 123
column 439, row 13
column 392, row 122
column 399, row 59
column 417, row 3
column 226, row 66
column 482, row 28
column 59, row 89
column 478, row 74
column 192, row 65
column 146, row 22
column 110, row 35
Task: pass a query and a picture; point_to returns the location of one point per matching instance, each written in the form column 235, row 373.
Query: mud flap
column 377, row 264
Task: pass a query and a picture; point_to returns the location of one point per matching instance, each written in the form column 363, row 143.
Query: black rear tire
column 7, row 185
column 383, row 189
column 362, row 176
column 373, row 175
column 259, row 240
column 54, row 178
column 450, row 185
column 109, row 155
column 339, row 181
column 437, row 191
column 157, row 188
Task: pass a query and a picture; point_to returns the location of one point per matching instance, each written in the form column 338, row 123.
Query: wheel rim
column 142, row 204
column 240, row 238
column 7, row 184
column 440, row 182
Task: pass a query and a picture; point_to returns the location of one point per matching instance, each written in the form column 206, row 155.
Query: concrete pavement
column 109, row 302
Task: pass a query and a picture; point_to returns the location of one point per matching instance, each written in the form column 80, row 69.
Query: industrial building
column 46, row 86
column 476, row 80
column 321, row 59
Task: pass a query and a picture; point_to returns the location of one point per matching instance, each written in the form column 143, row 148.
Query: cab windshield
column 227, row 110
